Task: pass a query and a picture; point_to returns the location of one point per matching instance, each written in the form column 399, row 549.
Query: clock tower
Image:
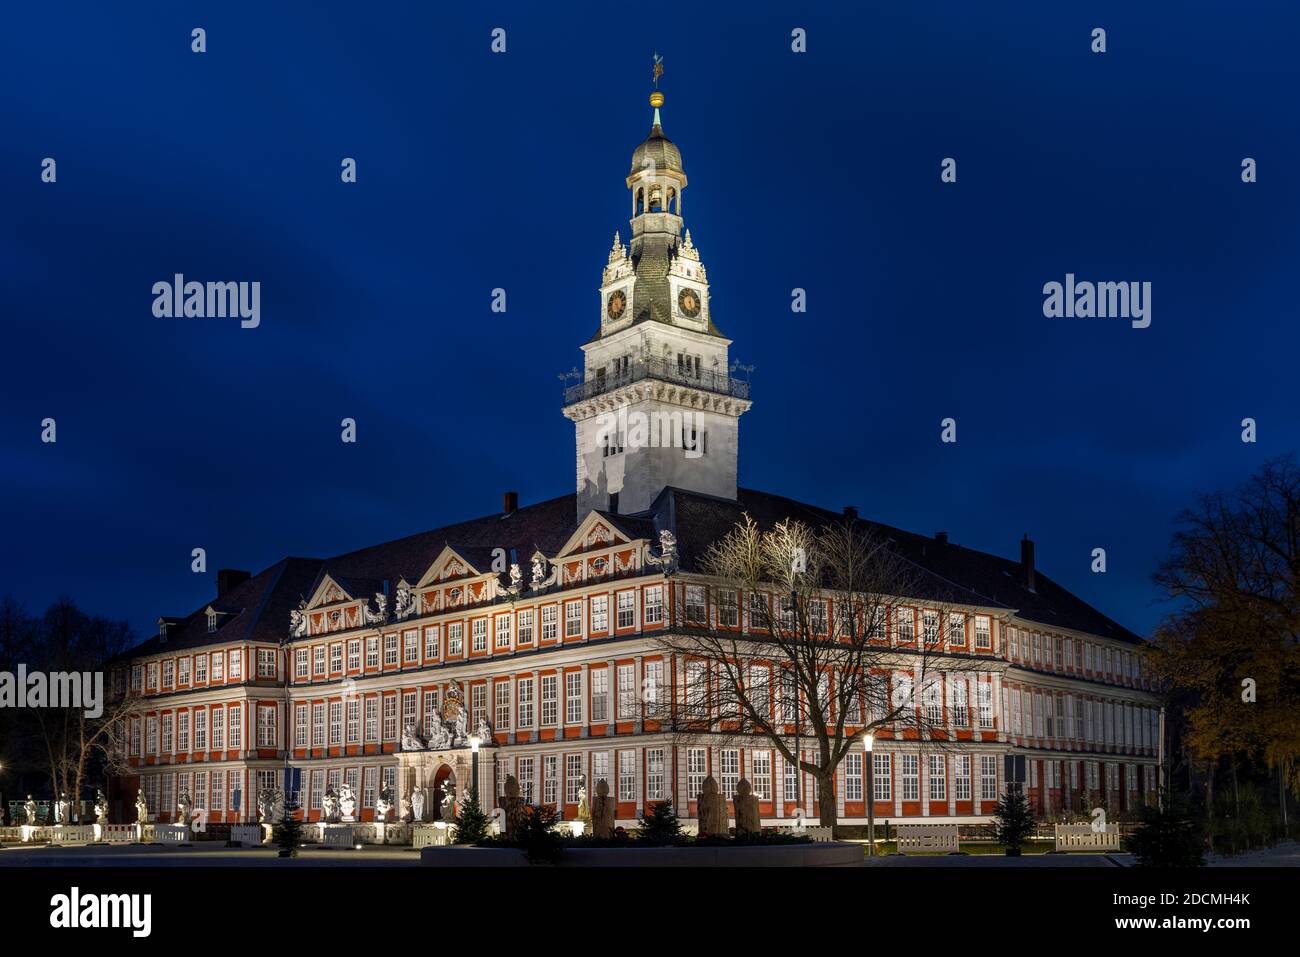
column 657, row 405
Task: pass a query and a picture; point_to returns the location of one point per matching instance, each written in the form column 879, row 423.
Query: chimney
column 1027, row 561
column 228, row 578
column 851, row 512
column 941, row 538
column 509, row 503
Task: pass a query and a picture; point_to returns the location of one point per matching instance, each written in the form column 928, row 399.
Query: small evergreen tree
column 471, row 823
column 288, row 833
column 538, row 836
column 659, row 824
column 1014, row 822
column 1168, row 837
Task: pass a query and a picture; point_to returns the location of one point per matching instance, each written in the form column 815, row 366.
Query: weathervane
column 658, row 68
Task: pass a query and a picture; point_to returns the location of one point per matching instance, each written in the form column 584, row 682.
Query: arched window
column 640, row 201
column 656, row 198
column 672, row 201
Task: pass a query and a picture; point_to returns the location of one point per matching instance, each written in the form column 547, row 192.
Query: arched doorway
column 444, row 782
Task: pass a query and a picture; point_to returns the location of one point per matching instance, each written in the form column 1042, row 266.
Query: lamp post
column 1160, row 762
column 868, row 742
column 474, row 742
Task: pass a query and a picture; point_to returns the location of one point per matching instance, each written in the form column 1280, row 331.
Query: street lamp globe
column 474, row 742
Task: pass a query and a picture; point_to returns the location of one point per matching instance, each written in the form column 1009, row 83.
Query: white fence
column 1081, row 837
column 337, row 835
column 171, row 833
column 72, row 834
column 119, row 833
column 818, row 834
column 247, row 833
column 429, row 835
column 928, row 839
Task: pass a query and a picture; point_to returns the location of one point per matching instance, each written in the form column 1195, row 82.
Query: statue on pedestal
column 712, row 809
column 410, row 739
column 141, row 808
column 383, row 806
column 31, row 813
column 584, row 809
column 448, row 810
column 185, row 808
column 439, row 737
column 602, row 811
column 347, row 803
column 61, row 809
column 417, row 803
column 330, row 807
column 747, row 819
column 101, row 808
column 513, row 805
column 484, row 731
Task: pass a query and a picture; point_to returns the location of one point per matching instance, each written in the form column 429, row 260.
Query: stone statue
column 484, row 731
column 456, row 727
column 383, row 806
column 380, row 614
column 330, row 807
column 712, row 809
column 667, row 558
column 602, row 811
column 448, row 810
column 747, row 819
column 101, row 808
column 516, row 578
column 538, row 573
column 298, row 620
column 584, row 809
column 61, row 809
column 185, row 808
column 406, row 602
column 31, row 813
column 141, row 808
column 513, row 805
column 439, row 738
column 417, row 803
column 411, row 741
column 347, row 802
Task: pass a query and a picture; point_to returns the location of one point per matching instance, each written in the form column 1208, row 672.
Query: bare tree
column 804, row 645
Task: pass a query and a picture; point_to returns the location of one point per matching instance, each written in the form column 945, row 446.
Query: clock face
column 616, row 303
column 688, row 300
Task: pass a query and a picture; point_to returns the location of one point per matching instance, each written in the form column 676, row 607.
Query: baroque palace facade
column 537, row 626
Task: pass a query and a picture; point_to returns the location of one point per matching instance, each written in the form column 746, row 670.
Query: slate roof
column 258, row 609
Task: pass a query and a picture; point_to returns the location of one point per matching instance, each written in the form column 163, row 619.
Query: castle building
column 538, row 629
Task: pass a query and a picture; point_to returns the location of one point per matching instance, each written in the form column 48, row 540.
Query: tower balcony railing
column 657, row 368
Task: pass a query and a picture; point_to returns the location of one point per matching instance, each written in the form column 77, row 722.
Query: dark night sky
column 479, row 171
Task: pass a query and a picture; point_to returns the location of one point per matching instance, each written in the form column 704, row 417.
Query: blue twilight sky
column 476, row 171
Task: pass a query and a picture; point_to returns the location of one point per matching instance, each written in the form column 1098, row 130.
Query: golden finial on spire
column 657, row 98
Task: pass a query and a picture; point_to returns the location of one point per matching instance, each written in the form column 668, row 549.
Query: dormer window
column 162, row 630
column 212, row 621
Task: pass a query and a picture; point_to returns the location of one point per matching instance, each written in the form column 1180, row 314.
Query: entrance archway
column 444, row 780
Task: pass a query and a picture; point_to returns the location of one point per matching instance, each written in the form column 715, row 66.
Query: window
column 791, row 782
column 938, row 778
column 961, row 777
column 654, row 605
column 572, row 697
column 151, row 735
column 599, row 695
column 152, row 684
column 218, row 790
column 550, row 688
column 526, row 627
column 390, row 717
column 184, row 672
column 911, row 777
column 550, row 619
column 957, row 630
column 600, row 613
column 167, row 672
column 697, row 761
column 503, row 631
column 300, row 664
column 573, row 619
column 354, row 654
column 354, row 720
column 627, row 775
column 265, row 663
column 696, row 611
column 369, row 787
column 430, row 641
column 183, row 732
column 730, row 760
column 651, row 683
column 696, row 689
column 930, row 627
column 626, row 609
column 372, row 720
column 881, row 780
column 168, row 724
column 218, row 728
column 317, row 657
column 983, row 636
column 853, row 776
column 299, row 726
column 1038, row 648
column 478, row 634
column 318, row 724
column 572, row 777
column 988, row 777
column 525, row 702
column 550, row 776
column 201, row 729
column 390, row 649
column 526, row 783
column 502, row 704
column 336, row 723
column 655, row 774
column 960, row 713
column 235, row 725
column 266, row 726
column 760, row 770
column 455, row 638
column 986, row 705
column 759, row 694
column 626, row 692
column 932, row 701
column 336, row 658
column 906, row 626
column 728, row 610
column 411, row 646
